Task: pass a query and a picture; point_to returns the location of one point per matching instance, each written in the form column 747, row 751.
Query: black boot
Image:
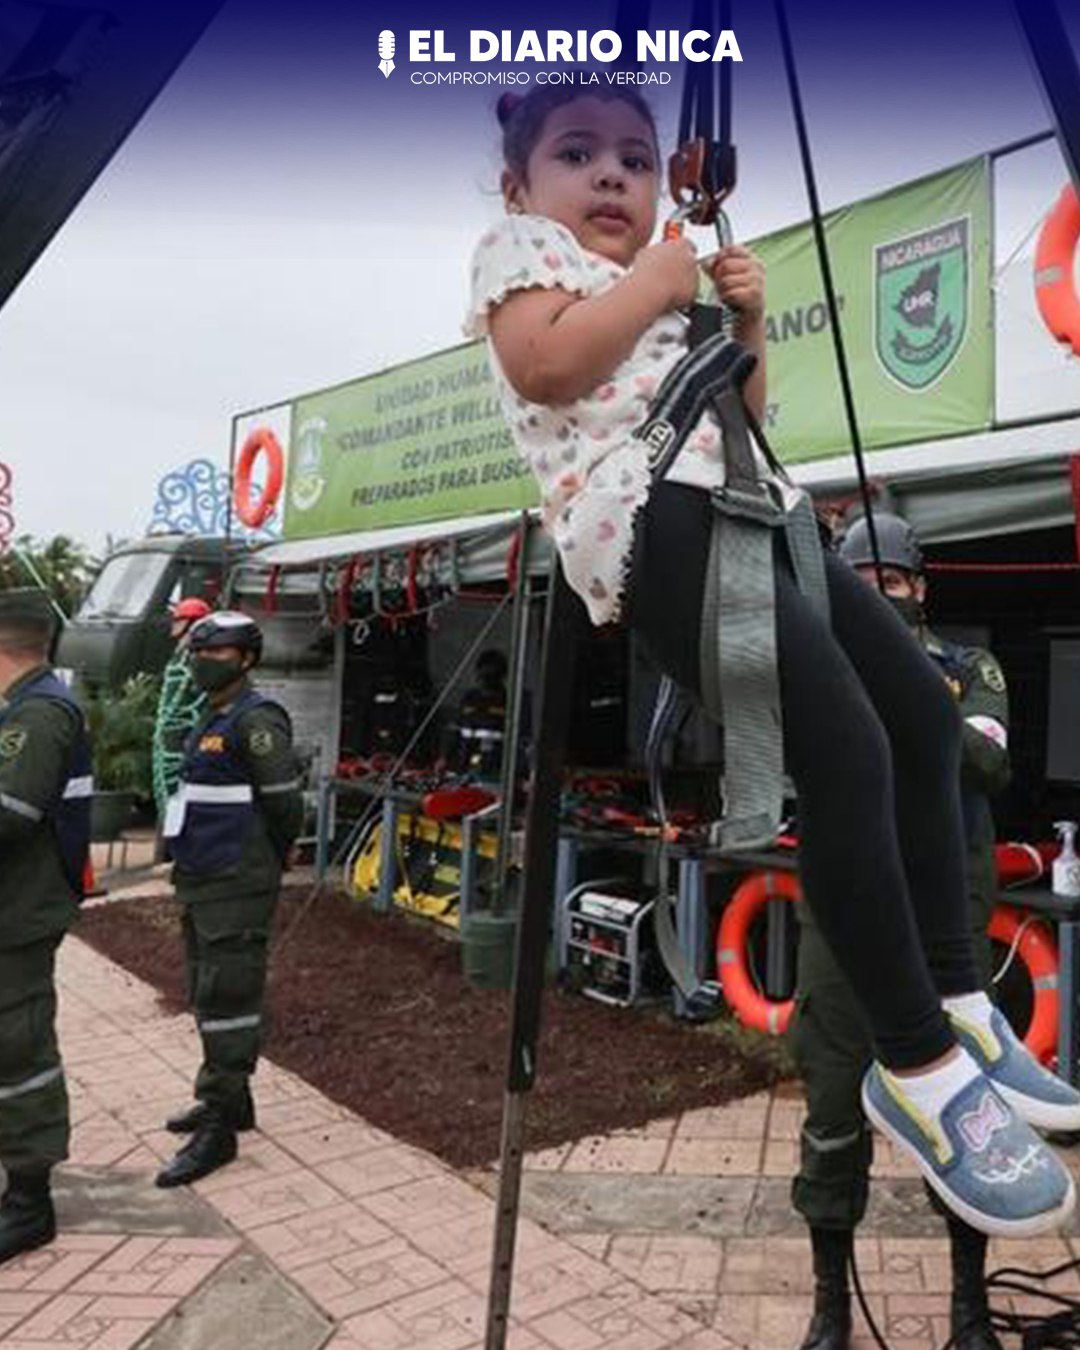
column 211, row 1146
column 830, row 1326
column 187, row 1122
column 27, row 1218
column 970, row 1311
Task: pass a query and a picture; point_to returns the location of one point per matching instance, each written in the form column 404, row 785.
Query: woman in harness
column 582, row 319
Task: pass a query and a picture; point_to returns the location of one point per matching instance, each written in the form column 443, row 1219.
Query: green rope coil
column 180, row 706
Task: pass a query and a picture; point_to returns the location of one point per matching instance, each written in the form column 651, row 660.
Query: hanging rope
column 827, row 281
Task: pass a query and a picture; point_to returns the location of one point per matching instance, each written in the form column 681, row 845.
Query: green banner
column 424, row 441
column 912, row 274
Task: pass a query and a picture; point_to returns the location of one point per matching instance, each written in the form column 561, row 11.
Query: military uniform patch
column 12, row 742
column 261, row 742
column 992, row 676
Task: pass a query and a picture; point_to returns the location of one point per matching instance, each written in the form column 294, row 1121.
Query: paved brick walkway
column 748, row 1274
column 386, row 1244
column 675, row 1235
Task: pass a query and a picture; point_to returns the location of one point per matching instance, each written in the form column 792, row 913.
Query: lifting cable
column 820, row 243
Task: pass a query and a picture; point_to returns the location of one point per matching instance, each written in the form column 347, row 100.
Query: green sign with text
column 423, row 441
column 426, row 441
column 912, row 274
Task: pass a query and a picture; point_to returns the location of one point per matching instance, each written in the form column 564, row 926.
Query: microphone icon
column 386, row 51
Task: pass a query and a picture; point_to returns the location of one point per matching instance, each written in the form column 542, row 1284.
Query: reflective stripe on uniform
column 20, row 808
column 831, row 1145
column 990, row 727
column 477, row 734
column 79, row 787
column 210, row 795
column 293, row 785
column 39, row 1080
column 230, row 1023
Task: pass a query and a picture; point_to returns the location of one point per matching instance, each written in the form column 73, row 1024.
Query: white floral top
column 593, row 473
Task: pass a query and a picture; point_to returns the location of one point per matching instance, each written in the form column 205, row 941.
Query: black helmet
column 896, row 540
column 227, row 628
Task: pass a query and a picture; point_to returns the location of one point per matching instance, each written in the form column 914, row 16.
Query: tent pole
column 563, row 623
column 519, row 636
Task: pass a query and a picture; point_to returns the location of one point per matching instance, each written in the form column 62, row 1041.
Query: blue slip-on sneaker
column 1034, row 1093
column 988, row 1165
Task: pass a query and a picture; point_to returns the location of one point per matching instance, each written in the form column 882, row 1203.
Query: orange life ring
column 1038, row 953
column 746, row 1001
column 255, row 511
column 1055, row 290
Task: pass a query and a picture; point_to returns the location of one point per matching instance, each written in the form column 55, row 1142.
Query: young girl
column 582, row 316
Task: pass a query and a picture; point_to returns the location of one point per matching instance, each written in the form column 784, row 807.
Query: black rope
column 724, row 80
column 827, row 281
column 705, row 109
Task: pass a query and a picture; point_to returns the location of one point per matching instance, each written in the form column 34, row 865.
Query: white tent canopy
column 998, row 482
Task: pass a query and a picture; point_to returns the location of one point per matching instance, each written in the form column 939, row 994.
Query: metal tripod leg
column 564, row 619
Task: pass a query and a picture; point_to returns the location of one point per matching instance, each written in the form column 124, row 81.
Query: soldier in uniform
column 830, row 1041
column 45, row 791
column 229, row 829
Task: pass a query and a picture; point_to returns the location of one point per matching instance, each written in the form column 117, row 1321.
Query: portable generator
column 608, row 947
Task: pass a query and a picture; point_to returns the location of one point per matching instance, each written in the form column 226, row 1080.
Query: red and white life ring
column 1055, row 255
column 747, row 1002
column 254, row 511
column 1037, row 952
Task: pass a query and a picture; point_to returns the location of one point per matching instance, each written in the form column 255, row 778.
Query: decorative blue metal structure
column 194, row 499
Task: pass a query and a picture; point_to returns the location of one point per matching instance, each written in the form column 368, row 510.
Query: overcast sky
column 285, row 219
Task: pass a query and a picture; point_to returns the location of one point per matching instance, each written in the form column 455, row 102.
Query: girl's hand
column 672, row 268
column 739, row 278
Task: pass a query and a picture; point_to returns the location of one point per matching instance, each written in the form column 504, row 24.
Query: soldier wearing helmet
column 229, row 828
column 830, row 1042
column 180, row 704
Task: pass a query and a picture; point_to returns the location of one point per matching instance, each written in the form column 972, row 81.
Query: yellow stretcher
column 428, row 856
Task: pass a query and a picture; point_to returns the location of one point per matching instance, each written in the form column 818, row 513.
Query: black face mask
column 909, row 607
column 212, row 676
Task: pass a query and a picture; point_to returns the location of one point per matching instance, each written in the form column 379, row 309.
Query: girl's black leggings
column 872, row 742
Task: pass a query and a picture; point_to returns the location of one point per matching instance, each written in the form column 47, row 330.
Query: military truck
column 123, row 624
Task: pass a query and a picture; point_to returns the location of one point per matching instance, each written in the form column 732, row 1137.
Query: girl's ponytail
column 507, row 106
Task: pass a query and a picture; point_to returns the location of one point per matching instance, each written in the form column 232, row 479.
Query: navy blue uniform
column 228, row 829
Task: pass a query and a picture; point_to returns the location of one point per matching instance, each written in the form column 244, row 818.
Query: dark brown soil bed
column 374, row 1012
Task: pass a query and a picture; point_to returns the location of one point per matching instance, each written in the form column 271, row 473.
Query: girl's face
column 593, row 170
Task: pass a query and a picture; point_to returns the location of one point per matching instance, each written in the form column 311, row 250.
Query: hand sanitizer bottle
column 1065, row 872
